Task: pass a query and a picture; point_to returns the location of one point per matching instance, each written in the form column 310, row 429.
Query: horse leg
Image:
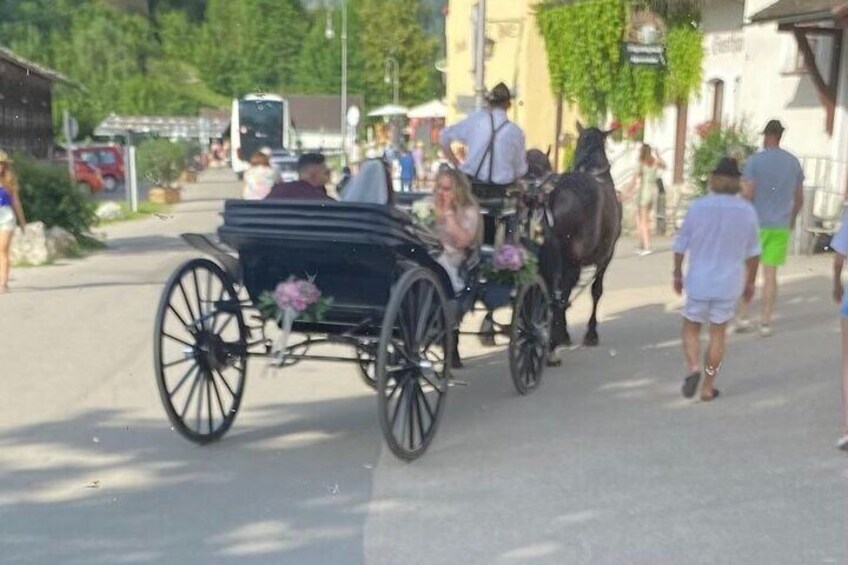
column 559, row 305
column 591, row 338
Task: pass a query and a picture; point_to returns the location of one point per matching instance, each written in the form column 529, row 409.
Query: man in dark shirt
column 313, row 176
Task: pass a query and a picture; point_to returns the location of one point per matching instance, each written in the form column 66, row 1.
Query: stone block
column 110, row 211
column 162, row 195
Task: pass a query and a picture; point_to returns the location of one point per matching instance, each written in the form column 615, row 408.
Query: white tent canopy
column 431, row 109
column 388, row 110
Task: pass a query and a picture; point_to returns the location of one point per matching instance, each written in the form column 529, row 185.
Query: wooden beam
column 826, row 89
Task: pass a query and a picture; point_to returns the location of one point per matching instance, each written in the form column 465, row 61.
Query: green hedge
column 717, row 142
column 49, row 196
column 160, row 161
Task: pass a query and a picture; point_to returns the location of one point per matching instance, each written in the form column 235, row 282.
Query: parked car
column 88, row 177
column 109, row 159
column 285, row 163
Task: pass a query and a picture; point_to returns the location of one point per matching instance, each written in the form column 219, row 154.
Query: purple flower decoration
column 297, row 295
column 508, row 257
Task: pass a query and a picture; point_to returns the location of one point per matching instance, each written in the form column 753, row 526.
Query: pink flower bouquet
column 512, row 264
column 302, row 297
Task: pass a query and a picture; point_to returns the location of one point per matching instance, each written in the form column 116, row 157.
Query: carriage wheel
column 529, row 335
column 200, row 351
column 412, row 368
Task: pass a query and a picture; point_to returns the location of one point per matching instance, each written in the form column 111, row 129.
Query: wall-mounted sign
column 645, row 39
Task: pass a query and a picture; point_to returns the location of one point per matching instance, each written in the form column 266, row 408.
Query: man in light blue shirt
column 720, row 236
column 774, row 183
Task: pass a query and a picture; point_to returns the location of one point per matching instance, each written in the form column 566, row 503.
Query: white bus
column 258, row 120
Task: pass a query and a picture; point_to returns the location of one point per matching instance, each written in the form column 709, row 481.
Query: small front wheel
column 529, row 336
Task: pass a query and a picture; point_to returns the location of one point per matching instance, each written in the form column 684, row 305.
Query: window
column 106, row 157
column 718, row 100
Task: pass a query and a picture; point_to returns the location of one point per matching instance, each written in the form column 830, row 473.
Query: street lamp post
column 392, row 77
column 329, row 33
column 480, row 55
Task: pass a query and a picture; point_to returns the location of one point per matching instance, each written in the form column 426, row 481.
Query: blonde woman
column 10, row 210
column 259, row 178
column 457, row 218
column 644, row 184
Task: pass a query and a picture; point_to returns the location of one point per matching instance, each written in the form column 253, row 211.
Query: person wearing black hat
column 313, row 176
column 496, row 149
column 720, row 234
column 773, row 181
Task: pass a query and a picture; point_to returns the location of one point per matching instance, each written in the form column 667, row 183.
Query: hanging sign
column 645, row 40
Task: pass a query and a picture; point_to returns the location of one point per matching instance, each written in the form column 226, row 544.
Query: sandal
column 716, row 393
column 690, row 384
column 843, row 443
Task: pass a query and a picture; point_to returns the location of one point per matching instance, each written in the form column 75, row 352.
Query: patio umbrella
column 388, row 110
column 431, row 109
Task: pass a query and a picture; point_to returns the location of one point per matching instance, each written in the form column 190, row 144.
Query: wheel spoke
column 226, row 384
column 178, row 362
column 396, row 409
column 420, row 417
column 184, row 342
column 182, row 380
column 199, row 300
column 190, row 395
column 226, row 323
column 218, row 397
column 424, row 314
column 185, row 324
column 187, row 303
column 427, row 404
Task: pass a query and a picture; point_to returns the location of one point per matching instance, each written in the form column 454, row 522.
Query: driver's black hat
column 774, row 127
column 499, row 94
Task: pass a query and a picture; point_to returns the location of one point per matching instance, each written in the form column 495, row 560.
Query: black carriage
column 393, row 305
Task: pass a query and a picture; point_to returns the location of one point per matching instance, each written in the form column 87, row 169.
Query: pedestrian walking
column 11, row 213
column 720, row 236
column 774, row 182
column 407, row 170
column 839, row 243
column 418, row 157
column 645, row 185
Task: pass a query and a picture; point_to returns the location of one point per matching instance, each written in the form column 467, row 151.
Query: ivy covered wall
column 583, row 41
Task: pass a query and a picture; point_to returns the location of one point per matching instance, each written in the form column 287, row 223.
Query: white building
column 755, row 70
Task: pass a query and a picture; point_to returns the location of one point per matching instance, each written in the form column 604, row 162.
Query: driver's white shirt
column 475, row 132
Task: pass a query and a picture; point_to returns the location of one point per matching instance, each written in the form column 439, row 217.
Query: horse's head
column 590, row 154
column 538, row 163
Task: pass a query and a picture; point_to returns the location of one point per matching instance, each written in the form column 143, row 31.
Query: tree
column 393, row 28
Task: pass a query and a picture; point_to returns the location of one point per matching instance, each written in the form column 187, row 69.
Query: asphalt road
column 605, row 464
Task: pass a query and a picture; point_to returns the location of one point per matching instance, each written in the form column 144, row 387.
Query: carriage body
column 392, row 302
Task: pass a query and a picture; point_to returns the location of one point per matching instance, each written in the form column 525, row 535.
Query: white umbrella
column 389, row 110
column 431, row 109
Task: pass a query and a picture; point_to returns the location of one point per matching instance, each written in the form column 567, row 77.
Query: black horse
column 584, row 225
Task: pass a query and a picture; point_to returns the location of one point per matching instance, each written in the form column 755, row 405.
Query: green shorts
column 775, row 244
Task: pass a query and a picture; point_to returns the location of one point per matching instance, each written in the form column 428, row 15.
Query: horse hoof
column 566, row 341
column 553, row 360
column 591, row 340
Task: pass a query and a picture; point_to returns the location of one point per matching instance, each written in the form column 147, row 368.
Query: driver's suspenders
column 488, row 189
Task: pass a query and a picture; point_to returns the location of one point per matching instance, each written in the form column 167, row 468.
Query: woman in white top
column 457, row 219
column 259, row 178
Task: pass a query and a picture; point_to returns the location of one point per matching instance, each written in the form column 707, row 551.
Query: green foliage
column 716, row 142
column 160, row 161
column 392, row 28
column 583, row 41
column 49, row 196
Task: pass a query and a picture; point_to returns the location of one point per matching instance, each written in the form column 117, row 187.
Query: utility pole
column 480, row 56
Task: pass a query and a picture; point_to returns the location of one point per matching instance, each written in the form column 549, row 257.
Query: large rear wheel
column 200, row 351
column 412, row 367
column 529, row 335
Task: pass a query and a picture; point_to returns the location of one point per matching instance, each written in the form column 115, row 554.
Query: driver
column 496, row 150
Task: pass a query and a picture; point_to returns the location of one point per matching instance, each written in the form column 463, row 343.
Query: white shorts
column 7, row 218
column 709, row 311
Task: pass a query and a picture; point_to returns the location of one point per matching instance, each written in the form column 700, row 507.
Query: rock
column 60, row 243
column 110, row 211
column 162, row 195
column 37, row 245
column 30, row 246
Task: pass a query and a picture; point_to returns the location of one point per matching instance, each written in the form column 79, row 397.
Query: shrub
column 160, row 161
column 49, row 196
column 717, row 142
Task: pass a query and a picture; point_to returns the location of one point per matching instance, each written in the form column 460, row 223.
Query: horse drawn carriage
column 393, row 307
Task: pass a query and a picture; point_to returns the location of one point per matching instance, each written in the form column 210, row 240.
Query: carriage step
column 455, row 382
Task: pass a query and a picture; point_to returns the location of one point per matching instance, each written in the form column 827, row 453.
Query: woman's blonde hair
column 462, row 195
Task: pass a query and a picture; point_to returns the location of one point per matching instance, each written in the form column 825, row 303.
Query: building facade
column 516, row 57
column 755, row 69
column 26, row 106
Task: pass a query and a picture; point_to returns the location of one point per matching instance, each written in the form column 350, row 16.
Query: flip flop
column 716, row 394
column 690, row 384
column 843, row 443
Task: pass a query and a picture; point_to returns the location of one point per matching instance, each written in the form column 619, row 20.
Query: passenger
column 313, row 176
column 371, row 185
column 259, row 178
column 457, row 219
